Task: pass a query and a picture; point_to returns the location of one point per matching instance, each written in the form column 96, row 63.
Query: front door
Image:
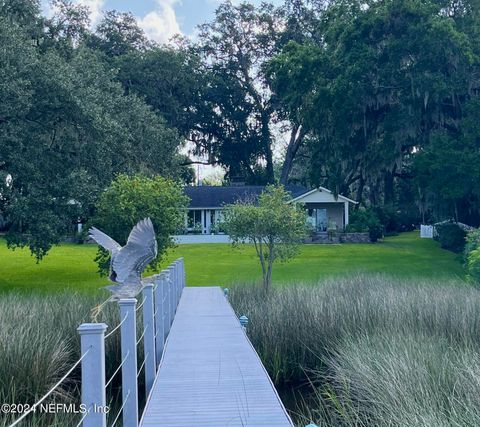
column 321, row 219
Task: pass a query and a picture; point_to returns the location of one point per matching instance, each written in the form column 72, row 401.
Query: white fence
column 426, row 231
column 159, row 304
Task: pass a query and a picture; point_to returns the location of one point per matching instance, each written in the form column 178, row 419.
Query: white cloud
column 95, row 7
column 161, row 25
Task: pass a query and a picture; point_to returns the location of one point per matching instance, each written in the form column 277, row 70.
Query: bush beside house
column 365, row 220
column 451, row 235
column 471, row 256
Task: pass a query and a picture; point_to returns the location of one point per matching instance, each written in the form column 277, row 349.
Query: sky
column 160, row 19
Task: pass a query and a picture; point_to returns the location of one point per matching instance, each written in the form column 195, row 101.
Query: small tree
column 129, row 199
column 274, row 226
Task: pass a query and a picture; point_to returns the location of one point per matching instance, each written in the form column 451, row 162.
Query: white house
column 207, row 203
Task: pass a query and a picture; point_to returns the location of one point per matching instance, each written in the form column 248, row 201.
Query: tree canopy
column 129, row 199
column 376, row 100
column 388, row 92
column 67, row 127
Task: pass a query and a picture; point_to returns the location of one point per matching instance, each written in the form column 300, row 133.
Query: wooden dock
column 210, row 375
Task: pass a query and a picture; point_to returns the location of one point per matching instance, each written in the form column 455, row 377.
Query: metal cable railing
column 141, row 336
column 84, row 416
column 142, row 365
column 117, row 370
column 116, row 327
column 140, row 305
column 121, row 409
column 38, row 402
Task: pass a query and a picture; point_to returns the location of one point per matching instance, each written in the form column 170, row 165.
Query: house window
column 321, row 219
column 194, row 217
column 317, row 218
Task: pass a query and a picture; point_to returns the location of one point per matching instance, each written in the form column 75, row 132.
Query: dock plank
column 210, row 375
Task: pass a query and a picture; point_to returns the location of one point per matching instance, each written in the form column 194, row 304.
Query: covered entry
column 325, row 212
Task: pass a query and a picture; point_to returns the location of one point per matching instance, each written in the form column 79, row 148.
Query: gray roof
column 216, row 197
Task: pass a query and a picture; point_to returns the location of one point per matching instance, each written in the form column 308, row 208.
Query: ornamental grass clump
column 39, row 343
column 374, row 350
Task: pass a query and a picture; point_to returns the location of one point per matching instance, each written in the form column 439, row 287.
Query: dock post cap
column 226, row 291
column 92, row 328
column 127, row 301
column 244, row 321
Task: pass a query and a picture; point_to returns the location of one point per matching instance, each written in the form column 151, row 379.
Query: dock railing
column 161, row 296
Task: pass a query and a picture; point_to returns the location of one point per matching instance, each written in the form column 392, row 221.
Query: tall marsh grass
column 39, row 343
column 375, row 351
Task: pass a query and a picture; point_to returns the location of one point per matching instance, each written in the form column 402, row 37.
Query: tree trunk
column 269, row 159
column 268, row 277
column 389, row 196
column 296, row 139
column 359, row 197
column 262, row 260
column 268, row 281
column 267, row 145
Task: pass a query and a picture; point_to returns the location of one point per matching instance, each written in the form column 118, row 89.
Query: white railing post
column 149, row 337
column 92, row 343
column 171, row 287
column 128, row 332
column 173, row 266
column 167, row 302
column 184, row 276
column 177, row 282
column 159, row 318
column 173, row 278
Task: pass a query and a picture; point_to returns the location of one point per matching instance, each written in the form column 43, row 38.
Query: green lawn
column 72, row 266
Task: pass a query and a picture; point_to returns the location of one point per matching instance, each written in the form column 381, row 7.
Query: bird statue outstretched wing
column 106, row 242
column 140, row 250
column 103, row 240
column 128, row 262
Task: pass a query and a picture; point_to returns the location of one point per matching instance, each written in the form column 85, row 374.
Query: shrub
column 130, row 199
column 359, row 220
column 217, row 227
column 473, row 266
column 388, row 218
column 472, row 242
column 365, row 220
column 375, row 229
column 197, row 228
column 471, row 256
column 451, row 236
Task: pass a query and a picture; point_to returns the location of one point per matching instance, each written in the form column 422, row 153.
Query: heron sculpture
column 128, row 262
